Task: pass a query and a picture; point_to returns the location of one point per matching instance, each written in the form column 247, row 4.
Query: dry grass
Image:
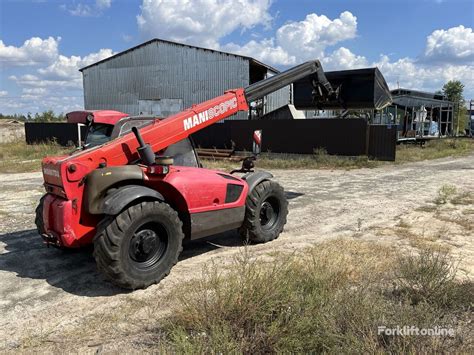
column 464, row 223
column 20, row 157
column 427, row 208
column 445, row 194
column 434, row 149
column 449, row 194
column 421, row 241
column 330, row 298
column 321, row 160
column 16, row 157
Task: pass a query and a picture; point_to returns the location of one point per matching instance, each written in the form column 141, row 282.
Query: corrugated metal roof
column 408, row 97
column 252, row 60
column 419, row 93
column 164, row 75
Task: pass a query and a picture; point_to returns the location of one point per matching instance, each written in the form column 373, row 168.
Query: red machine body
column 98, row 116
column 191, row 191
column 124, row 195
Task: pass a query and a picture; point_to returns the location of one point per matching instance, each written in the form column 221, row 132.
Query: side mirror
column 257, row 142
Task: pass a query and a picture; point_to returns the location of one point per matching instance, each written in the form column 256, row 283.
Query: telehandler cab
column 137, row 189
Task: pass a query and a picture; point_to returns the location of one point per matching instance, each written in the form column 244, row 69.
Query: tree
column 46, row 116
column 454, row 90
column 49, row 116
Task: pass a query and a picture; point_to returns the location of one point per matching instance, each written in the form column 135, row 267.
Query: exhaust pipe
column 144, row 150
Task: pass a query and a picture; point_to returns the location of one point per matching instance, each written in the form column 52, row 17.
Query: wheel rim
column 269, row 212
column 148, row 245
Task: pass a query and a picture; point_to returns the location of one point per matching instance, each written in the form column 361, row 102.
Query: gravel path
column 44, row 291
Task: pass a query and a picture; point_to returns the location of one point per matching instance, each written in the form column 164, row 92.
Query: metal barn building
column 161, row 77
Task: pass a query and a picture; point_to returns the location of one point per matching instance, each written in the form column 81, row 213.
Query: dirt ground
column 49, row 297
column 11, row 131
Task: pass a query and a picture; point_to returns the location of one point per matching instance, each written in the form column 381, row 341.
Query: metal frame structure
column 411, row 102
column 470, row 128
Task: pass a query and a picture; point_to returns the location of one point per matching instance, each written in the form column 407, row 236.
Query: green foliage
column 449, row 194
column 49, row 116
column 46, row 116
column 454, row 90
column 17, row 156
column 434, row 149
column 445, row 193
column 15, row 117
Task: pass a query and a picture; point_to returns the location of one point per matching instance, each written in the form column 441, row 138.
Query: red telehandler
column 136, row 204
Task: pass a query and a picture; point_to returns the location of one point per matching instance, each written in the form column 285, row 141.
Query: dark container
column 359, row 89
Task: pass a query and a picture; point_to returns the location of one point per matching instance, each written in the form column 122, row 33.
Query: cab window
column 98, row 134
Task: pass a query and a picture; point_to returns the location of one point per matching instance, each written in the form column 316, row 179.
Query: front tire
column 138, row 247
column 265, row 213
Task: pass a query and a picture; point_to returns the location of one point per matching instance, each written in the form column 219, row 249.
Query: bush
column 331, row 298
column 429, row 277
column 445, row 193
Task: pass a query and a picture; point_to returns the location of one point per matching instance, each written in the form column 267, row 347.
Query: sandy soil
column 47, row 295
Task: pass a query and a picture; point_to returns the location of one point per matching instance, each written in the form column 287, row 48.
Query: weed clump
column 331, row 298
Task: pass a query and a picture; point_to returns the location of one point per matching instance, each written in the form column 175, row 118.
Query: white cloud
column 127, row 38
column 103, row 4
column 264, row 50
column 57, row 85
column 62, row 74
column 33, row 104
column 87, row 10
column 449, row 54
column 200, row 22
column 453, row 45
column 81, row 10
column 408, row 73
column 343, row 58
column 297, row 41
column 35, row 81
column 310, row 37
column 3, row 93
column 33, row 51
column 67, row 68
column 34, row 91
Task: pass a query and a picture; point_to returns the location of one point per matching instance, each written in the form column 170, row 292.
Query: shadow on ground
column 74, row 271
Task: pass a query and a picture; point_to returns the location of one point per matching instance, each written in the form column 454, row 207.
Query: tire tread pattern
column 111, row 230
column 39, row 216
column 251, row 229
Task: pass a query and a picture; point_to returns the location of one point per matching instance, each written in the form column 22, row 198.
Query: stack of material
column 217, row 154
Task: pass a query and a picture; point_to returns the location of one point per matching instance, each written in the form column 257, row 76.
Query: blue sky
column 416, row 44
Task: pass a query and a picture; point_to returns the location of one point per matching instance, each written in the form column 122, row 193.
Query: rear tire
column 39, row 216
column 265, row 213
column 138, row 247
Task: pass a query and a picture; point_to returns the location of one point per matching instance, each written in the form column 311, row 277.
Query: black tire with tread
column 111, row 244
column 251, row 229
column 39, row 215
